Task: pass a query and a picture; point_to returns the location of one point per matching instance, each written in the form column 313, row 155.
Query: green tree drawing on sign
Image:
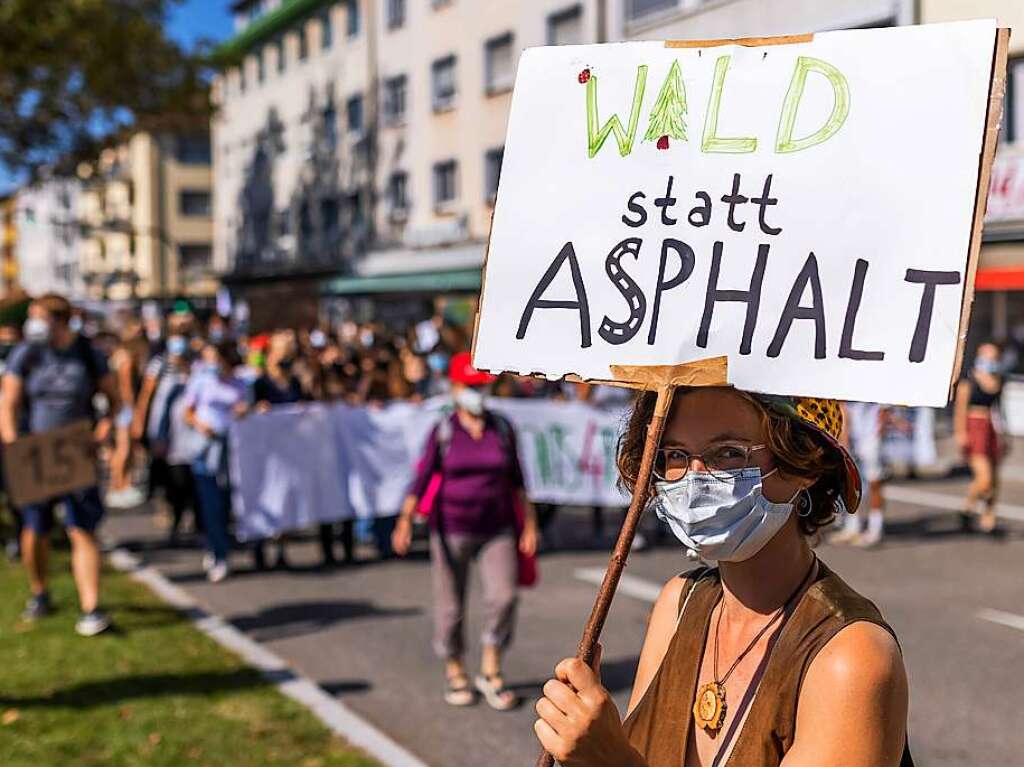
column 667, row 116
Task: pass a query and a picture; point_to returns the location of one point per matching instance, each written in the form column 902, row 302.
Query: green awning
column 266, row 26
column 460, row 280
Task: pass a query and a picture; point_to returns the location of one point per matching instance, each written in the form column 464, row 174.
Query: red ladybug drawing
column 663, row 142
column 584, row 76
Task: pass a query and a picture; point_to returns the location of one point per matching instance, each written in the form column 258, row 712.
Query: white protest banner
column 807, row 207
column 286, row 471
column 295, row 467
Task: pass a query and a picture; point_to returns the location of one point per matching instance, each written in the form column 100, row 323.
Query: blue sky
column 194, row 19
column 188, row 22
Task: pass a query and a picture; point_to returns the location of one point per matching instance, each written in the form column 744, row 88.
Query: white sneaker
column 128, row 498
column 846, row 535
column 208, row 562
column 218, row 572
column 91, row 624
column 869, row 539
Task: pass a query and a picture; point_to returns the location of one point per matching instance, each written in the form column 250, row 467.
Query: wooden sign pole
column 667, row 378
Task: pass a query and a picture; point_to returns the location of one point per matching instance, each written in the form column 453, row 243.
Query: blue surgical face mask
column 437, row 362
column 75, row 323
column 177, row 346
column 987, row 366
column 725, row 519
column 36, row 330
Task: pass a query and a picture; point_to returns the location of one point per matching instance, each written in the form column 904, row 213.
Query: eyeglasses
column 671, row 464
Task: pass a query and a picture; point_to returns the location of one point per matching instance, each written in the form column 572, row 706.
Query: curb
column 340, row 719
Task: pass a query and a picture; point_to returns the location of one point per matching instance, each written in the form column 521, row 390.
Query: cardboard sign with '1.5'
column 38, row 467
column 809, row 208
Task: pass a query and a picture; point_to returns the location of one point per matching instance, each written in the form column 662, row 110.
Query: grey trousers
column 450, row 560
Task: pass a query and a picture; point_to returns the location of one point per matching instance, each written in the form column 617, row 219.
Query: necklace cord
column 778, row 614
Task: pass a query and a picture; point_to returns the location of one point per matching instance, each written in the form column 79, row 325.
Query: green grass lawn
column 155, row 692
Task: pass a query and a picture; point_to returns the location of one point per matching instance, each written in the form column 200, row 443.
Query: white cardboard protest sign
column 805, row 207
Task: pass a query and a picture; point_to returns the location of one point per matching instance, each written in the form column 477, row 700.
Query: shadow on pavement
column 346, row 687
column 616, row 676
column 299, row 618
column 119, row 689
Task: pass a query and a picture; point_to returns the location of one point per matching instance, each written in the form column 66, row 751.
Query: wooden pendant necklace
column 709, row 709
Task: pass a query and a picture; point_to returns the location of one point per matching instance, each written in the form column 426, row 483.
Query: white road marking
column 951, row 501
column 630, row 585
column 338, row 717
column 1012, row 620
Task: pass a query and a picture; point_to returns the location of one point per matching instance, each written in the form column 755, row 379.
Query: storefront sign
column 804, row 206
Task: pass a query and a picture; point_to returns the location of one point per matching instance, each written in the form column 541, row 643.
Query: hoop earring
column 805, row 505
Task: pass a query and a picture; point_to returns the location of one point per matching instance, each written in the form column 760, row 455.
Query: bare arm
column 108, row 387
column 11, row 387
column 853, row 703
column 963, row 395
column 142, row 405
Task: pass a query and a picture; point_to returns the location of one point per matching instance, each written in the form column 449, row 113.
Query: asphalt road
column 956, row 602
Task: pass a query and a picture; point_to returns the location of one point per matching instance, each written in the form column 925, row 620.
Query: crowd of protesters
column 162, row 389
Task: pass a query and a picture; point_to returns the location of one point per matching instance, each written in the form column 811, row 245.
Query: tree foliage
column 73, row 71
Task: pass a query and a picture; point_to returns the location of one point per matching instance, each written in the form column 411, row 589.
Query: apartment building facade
column 358, row 144
column 144, row 215
column 47, row 247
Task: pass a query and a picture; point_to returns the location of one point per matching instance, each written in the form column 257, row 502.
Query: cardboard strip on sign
column 994, row 120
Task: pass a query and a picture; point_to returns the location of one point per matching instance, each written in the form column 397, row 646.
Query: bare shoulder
column 860, row 653
column 853, row 703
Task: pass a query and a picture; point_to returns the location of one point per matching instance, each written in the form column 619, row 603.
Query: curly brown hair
column 797, row 450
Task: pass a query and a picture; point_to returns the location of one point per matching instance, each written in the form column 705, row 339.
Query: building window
column 440, row 3
column 192, row 149
column 396, row 13
column 353, row 18
column 329, row 217
column 354, row 113
column 443, row 81
column 303, row 42
column 566, row 27
column 326, row 31
column 195, row 258
column 194, row 202
column 241, row 77
column 354, row 208
column 498, row 64
column 1013, row 109
column 394, row 100
column 398, row 192
column 445, row 182
column 281, row 60
column 492, row 172
column 636, row 9
column 261, row 72
column 331, row 127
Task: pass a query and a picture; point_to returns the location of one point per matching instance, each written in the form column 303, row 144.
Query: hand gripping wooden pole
column 667, row 378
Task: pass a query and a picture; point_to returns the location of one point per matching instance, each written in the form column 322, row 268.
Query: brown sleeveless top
column 659, row 727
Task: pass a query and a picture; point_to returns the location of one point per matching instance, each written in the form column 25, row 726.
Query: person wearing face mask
column 215, row 397
column 55, row 374
column 156, row 417
column 473, row 452
column 975, row 419
column 768, row 657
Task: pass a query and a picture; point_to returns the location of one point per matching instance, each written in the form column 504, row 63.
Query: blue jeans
column 212, row 500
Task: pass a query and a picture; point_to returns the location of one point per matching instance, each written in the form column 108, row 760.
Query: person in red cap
column 472, row 453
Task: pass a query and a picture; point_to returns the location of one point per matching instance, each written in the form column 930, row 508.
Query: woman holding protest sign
column 479, row 512
column 978, row 397
column 769, row 657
